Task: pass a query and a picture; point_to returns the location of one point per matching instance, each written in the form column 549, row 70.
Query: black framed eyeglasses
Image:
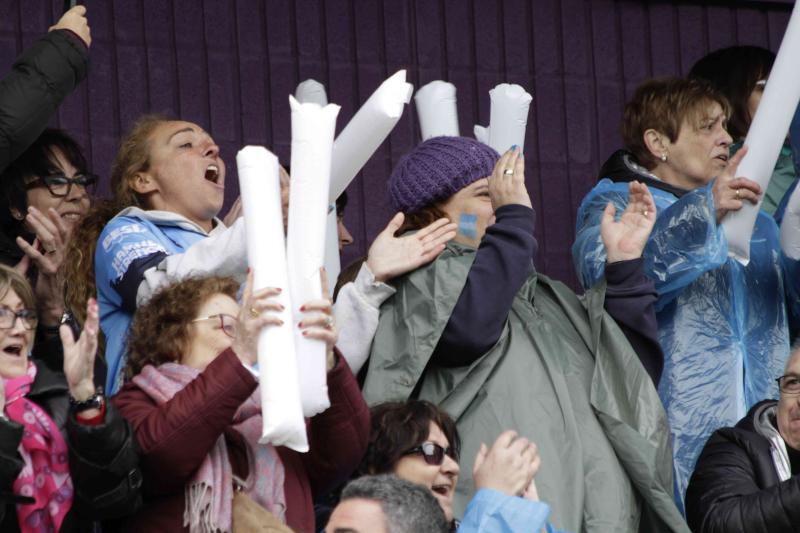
column 432, row 453
column 8, row 318
column 227, row 323
column 789, row 384
column 60, row 185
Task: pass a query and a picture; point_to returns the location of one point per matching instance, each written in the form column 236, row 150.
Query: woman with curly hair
column 195, row 408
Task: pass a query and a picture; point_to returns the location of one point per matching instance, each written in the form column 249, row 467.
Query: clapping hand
column 47, row 252
column 391, row 256
column 508, row 466
column 79, row 355
column 626, row 238
column 507, row 182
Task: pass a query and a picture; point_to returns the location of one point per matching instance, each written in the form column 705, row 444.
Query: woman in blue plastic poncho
column 724, row 326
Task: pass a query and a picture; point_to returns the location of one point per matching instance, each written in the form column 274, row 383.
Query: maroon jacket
column 175, row 437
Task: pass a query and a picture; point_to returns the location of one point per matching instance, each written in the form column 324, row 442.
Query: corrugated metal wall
column 230, row 64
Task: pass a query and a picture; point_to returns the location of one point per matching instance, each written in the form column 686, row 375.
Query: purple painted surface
column 229, row 65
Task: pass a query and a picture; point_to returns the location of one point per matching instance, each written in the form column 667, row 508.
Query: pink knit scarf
column 45, row 475
column 209, row 495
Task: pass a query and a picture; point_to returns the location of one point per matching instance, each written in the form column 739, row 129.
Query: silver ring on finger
column 738, row 193
column 328, row 322
column 508, row 172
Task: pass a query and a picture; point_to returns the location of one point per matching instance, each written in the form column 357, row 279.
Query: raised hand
column 75, row 21
column 318, row 322
column 507, row 182
column 391, row 256
column 626, row 238
column 256, row 312
column 508, row 466
column 47, row 252
column 731, row 192
column 79, row 355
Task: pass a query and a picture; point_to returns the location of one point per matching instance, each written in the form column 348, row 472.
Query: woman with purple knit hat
column 499, row 346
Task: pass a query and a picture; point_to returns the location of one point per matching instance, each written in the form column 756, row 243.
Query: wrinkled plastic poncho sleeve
column 619, row 396
column 491, row 511
column 684, row 244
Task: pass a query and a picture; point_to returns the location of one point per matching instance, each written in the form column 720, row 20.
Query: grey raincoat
column 562, row 374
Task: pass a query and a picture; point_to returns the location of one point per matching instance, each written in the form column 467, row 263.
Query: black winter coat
column 735, row 487
column 41, row 77
column 103, row 460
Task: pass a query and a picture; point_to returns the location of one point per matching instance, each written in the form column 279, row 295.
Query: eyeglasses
column 8, row 318
column 432, row 453
column 226, row 322
column 60, row 185
column 789, row 384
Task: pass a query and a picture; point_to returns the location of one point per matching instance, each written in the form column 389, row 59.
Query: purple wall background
column 230, row 64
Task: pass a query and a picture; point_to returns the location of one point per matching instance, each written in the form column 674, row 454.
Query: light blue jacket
column 491, row 511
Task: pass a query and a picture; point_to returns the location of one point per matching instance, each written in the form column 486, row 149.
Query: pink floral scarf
column 45, row 476
column 209, row 495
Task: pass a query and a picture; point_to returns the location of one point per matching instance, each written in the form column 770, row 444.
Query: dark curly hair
column 400, row 426
column 160, row 329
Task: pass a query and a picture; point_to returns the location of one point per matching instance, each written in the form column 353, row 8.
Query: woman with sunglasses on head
column 67, row 458
column 419, row 442
column 195, row 407
column 43, row 194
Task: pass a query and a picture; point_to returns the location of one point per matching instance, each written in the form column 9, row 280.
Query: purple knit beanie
column 437, row 169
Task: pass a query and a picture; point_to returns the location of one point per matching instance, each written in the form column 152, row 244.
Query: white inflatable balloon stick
column 437, row 110
column 313, row 128
column 259, row 184
column 311, row 92
column 333, row 263
column 766, row 136
column 508, row 116
column 367, row 130
column 481, row 133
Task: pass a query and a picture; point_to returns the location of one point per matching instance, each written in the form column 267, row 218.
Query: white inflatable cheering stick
column 367, row 130
column 311, row 92
column 766, row 136
column 508, row 117
column 259, row 184
column 481, row 133
column 357, row 142
column 437, row 110
column 313, row 128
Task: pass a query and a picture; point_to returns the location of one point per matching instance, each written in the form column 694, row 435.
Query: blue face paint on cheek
column 468, row 226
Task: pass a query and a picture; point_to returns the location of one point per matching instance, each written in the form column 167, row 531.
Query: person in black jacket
column 67, row 458
column 747, row 478
column 39, row 80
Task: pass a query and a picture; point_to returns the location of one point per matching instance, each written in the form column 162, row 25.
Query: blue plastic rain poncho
column 724, row 327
